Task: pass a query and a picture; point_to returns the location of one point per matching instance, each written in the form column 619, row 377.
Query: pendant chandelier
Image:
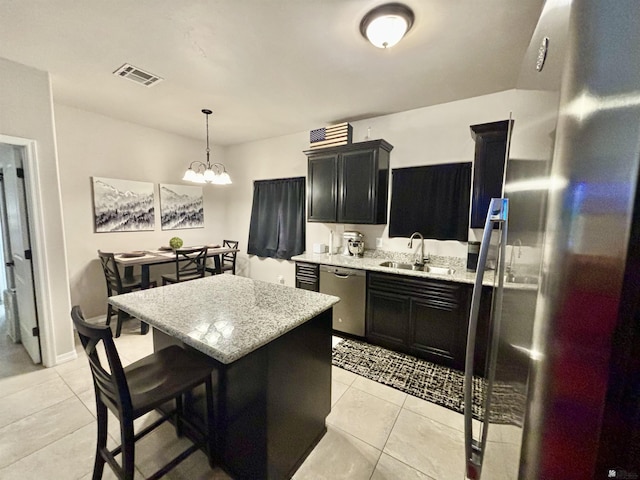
column 200, row 172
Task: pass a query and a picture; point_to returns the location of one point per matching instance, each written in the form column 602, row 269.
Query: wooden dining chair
column 190, row 264
column 216, row 269
column 139, row 388
column 117, row 285
column 229, row 259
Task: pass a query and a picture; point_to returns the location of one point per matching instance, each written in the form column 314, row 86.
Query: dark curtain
column 432, row 200
column 277, row 228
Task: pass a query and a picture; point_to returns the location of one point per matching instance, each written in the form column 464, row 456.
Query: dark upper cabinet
column 349, row 184
column 322, row 192
column 488, row 167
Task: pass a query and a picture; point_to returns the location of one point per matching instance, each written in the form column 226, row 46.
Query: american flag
column 331, row 136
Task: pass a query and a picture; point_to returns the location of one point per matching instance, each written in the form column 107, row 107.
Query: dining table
column 147, row 258
column 270, row 349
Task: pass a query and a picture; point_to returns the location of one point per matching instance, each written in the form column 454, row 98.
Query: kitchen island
column 270, row 346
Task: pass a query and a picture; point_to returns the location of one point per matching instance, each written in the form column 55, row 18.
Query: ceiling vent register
column 137, row 75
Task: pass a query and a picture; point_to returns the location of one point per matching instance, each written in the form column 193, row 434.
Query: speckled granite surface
column 224, row 316
column 372, row 261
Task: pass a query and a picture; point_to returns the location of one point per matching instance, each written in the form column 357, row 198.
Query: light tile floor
column 47, row 428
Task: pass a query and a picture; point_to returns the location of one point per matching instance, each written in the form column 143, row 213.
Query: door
column 322, row 188
column 437, row 331
column 6, row 248
column 357, row 179
column 20, row 245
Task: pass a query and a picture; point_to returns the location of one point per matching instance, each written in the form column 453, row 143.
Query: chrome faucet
column 418, row 260
column 510, row 272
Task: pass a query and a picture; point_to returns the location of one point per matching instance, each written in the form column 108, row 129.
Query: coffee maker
column 352, row 244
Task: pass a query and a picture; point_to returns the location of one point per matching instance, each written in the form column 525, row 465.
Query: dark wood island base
column 271, row 404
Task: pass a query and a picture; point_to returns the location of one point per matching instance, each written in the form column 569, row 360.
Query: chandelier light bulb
column 209, row 175
column 189, row 175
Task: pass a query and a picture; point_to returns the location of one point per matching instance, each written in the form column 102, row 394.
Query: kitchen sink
column 425, row 268
column 403, row 266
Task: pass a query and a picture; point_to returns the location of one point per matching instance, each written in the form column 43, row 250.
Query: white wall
column 94, row 145
column 279, row 157
column 26, row 112
column 425, row 136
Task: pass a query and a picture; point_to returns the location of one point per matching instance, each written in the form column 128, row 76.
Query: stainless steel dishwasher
column 351, row 286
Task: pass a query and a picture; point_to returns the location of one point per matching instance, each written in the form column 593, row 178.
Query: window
column 432, row 200
column 278, row 225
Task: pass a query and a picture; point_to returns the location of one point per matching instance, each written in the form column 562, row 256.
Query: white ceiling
column 265, row 67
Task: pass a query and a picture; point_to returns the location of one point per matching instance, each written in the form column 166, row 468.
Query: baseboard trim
column 66, row 357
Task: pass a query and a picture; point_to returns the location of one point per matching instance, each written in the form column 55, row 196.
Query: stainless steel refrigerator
column 562, row 385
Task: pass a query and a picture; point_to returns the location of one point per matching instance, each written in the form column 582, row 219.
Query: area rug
column 428, row 381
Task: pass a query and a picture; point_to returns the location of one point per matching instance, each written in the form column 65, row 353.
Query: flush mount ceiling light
column 385, row 25
column 200, row 172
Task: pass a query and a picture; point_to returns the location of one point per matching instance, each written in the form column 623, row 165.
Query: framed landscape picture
column 122, row 205
column 181, row 207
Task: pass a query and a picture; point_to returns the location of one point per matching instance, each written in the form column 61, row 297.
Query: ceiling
column 265, row 67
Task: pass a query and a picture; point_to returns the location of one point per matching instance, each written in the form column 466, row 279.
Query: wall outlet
column 378, row 242
column 281, row 279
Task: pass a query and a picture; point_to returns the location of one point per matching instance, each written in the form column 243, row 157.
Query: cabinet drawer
column 439, row 293
column 307, row 270
column 308, row 276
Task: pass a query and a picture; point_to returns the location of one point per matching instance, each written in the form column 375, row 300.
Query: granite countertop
column 373, row 264
column 224, row 316
column 372, row 260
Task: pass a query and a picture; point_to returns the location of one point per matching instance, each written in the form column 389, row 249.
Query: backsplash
column 457, row 262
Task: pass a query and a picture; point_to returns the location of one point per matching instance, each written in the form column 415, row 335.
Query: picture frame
column 181, row 207
column 122, row 205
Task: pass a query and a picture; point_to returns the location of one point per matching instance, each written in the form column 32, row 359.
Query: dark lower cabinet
column 386, row 323
column 437, row 333
column 308, row 276
column 423, row 317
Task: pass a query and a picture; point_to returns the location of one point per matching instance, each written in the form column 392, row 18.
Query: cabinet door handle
column 342, row 275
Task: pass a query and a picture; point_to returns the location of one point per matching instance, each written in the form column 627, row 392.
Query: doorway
column 14, row 221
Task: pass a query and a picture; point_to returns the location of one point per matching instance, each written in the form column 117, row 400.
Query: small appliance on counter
column 352, row 244
column 473, row 250
column 319, row 248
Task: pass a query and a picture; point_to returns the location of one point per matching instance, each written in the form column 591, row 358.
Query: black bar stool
column 139, row 388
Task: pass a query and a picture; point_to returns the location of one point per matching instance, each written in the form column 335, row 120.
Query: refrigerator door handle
column 497, row 213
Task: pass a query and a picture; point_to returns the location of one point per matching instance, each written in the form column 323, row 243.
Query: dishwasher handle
column 342, row 272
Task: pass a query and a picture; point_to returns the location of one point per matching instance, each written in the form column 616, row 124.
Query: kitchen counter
column 271, row 351
column 372, row 263
column 240, row 315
